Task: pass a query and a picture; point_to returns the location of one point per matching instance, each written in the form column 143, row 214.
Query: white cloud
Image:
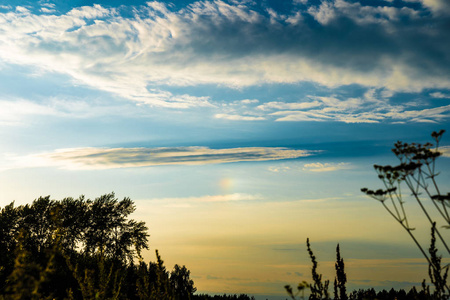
column 212, row 198
column 367, row 14
column 47, row 10
column 432, row 115
column 22, row 10
column 109, row 158
column 284, row 105
column 371, row 108
column 386, row 93
column 301, row 116
column 238, row 117
column 324, row 14
column 445, row 150
column 333, row 104
column 325, row 167
column 440, row 95
column 13, row 112
column 195, row 201
column 438, row 7
column 249, row 101
column 90, row 54
column 49, row 5
column 278, row 169
column 295, row 19
column 91, row 12
column 99, row 48
column 425, row 115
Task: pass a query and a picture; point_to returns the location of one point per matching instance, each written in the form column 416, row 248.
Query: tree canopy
column 82, row 225
column 82, row 249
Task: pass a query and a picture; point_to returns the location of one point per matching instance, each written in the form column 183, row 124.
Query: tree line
column 84, row 249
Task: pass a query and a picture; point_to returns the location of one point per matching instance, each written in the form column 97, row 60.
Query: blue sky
column 239, row 127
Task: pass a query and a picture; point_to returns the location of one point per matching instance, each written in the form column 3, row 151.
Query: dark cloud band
column 106, row 158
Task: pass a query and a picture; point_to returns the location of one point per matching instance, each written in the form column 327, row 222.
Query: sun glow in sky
column 238, row 127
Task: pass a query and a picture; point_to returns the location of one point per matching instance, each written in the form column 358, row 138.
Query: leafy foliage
column 82, row 249
column 84, row 226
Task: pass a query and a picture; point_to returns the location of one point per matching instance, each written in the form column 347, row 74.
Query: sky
column 239, row 128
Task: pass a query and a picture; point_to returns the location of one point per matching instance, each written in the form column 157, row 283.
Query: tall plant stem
column 416, row 196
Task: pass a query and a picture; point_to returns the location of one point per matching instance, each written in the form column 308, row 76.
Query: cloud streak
column 184, row 202
column 238, row 117
column 325, row 167
column 445, row 151
column 109, row 158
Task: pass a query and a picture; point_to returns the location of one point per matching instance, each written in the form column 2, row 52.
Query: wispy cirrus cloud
column 325, row 167
column 284, row 105
column 190, row 201
column 238, row 117
column 108, row 158
column 373, row 107
column 395, row 114
column 279, row 169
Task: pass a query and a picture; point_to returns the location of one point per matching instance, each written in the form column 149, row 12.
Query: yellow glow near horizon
column 227, row 244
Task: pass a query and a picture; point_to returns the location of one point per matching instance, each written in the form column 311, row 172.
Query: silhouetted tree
column 86, row 226
column 181, row 283
column 81, row 249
